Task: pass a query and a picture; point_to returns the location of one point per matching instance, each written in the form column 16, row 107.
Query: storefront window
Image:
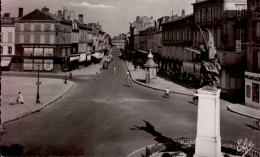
column 28, row 52
column 38, row 51
column 36, row 63
column 48, row 52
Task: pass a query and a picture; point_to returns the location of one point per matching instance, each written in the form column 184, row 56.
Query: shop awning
column 74, row 58
column 5, row 61
column 98, row 55
column 83, row 57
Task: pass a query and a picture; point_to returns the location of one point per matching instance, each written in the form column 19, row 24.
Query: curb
column 44, row 105
column 153, row 87
column 231, row 110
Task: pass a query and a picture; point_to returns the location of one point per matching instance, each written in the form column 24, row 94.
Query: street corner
column 50, row 90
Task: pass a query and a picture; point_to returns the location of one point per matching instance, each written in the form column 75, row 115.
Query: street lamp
column 38, row 84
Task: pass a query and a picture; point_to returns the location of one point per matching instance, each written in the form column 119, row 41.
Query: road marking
column 68, row 113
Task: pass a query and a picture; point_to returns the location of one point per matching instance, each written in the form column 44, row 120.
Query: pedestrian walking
column 167, row 92
column 70, row 75
column 20, row 99
column 96, row 76
column 114, row 69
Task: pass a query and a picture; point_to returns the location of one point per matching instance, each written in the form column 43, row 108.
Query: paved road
column 96, row 117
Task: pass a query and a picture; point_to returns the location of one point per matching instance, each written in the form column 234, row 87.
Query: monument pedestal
column 208, row 141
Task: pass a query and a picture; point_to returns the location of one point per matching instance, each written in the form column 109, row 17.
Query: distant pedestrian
column 70, row 75
column 114, row 69
column 96, row 76
column 167, row 92
column 20, row 99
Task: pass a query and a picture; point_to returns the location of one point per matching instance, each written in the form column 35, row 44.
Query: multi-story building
column 119, row 41
column 43, row 39
column 227, row 21
column 252, row 75
column 176, row 35
column 8, row 37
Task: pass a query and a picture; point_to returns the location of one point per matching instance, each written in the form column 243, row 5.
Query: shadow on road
column 158, row 137
column 13, row 150
column 252, row 127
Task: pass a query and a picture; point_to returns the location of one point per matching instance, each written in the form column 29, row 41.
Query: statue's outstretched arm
column 192, row 50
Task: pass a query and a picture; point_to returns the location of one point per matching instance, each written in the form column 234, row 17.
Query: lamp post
column 38, row 84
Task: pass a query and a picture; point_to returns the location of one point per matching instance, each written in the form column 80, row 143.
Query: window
column 218, row 37
column 240, row 35
column 28, row 52
column 37, row 27
column 31, row 39
column 203, row 15
column 219, row 13
column 240, row 11
column 42, row 39
column 51, row 39
column 42, row 27
column 52, row 27
column 21, row 27
column 21, row 38
column 48, row 52
column 209, row 14
column 38, row 51
column 213, row 13
column 10, row 39
column 198, row 16
column 27, row 27
column 9, row 50
column 47, row 27
column 32, row 27
column 258, row 29
column 1, row 50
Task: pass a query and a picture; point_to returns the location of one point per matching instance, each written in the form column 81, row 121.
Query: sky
column 113, row 15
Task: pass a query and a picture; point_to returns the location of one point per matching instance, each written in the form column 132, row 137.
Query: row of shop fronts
column 48, row 58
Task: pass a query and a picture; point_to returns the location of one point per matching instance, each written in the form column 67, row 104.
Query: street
column 95, row 119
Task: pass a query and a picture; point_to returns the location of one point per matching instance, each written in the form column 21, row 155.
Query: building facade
column 227, row 21
column 252, row 75
column 176, row 35
column 42, row 39
column 8, row 38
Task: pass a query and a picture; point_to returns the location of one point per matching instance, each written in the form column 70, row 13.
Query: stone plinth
column 208, row 141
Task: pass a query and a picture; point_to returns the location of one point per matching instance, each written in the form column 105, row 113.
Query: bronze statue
column 210, row 68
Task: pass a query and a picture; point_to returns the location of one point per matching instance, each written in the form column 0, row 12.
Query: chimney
column 60, row 13
column 81, row 18
column 6, row 15
column 20, row 12
column 72, row 15
column 65, row 14
column 183, row 12
column 45, row 9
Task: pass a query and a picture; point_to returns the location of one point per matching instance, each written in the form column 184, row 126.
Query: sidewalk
column 50, row 90
column 244, row 110
column 159, row 83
